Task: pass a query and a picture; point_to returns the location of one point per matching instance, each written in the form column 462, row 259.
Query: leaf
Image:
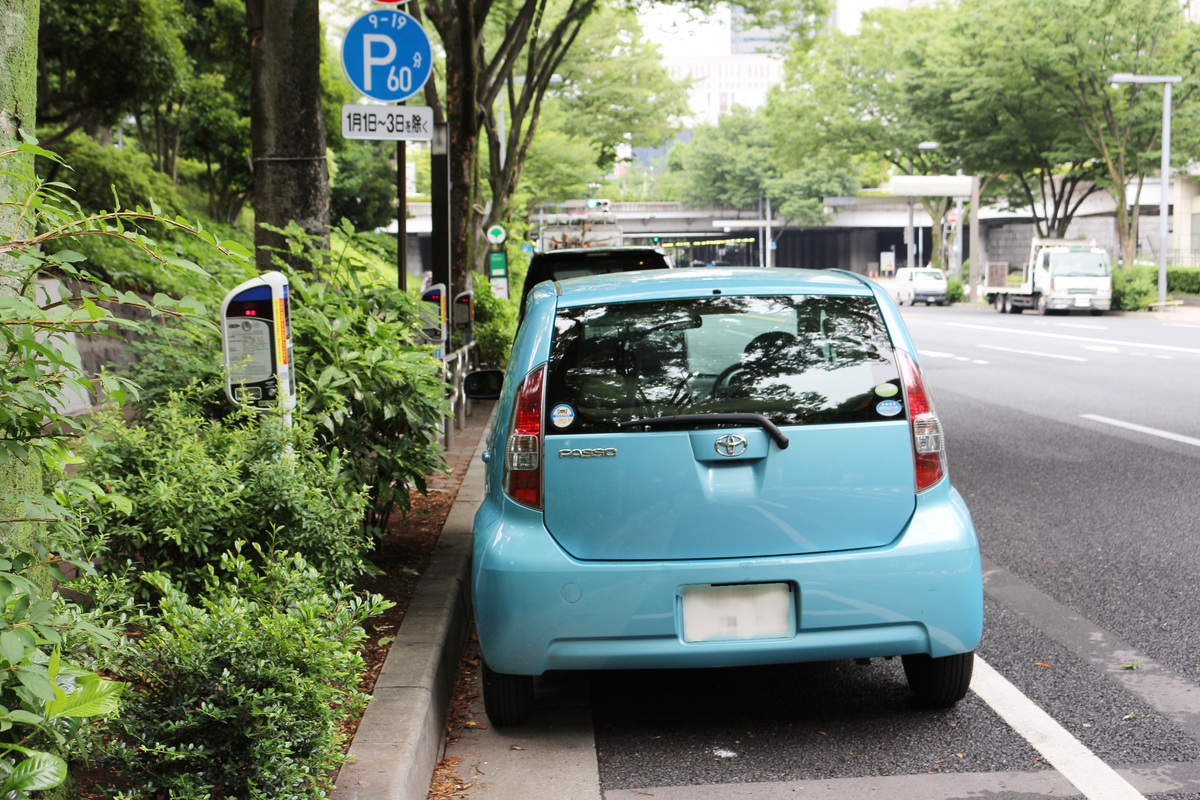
column 93, row 699
column 38, row 772
column 35, row 680
column 1040, row 664
column 12, row 649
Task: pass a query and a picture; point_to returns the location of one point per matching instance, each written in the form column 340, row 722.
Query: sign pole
column 401, row 215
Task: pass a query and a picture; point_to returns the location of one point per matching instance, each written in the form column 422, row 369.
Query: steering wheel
column 725, row 379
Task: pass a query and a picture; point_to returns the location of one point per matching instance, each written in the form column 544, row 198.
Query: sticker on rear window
column 886, row 390
column 889, row 408
column 562, row 416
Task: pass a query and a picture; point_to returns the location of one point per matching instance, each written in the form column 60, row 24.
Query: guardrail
column 457, row 365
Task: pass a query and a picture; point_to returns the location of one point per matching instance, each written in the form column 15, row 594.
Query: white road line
column 935, row 354
column 1071, row 337
column 1080, row 325
column 1029, row 352
column 1174, row 437
column 1086, row 771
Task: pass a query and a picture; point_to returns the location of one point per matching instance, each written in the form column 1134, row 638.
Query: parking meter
column 463, row 314
column 256, row 339
column 433, row 318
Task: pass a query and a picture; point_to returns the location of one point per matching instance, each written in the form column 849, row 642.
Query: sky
column 678, row 36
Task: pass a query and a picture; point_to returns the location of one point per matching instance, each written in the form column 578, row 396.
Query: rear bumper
column 538, row 609
column 929, row 297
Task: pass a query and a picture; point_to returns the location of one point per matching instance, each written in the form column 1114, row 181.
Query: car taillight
column 523, row 455
column 929, row 454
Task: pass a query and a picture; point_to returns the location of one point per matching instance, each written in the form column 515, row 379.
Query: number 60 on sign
column 387, row 56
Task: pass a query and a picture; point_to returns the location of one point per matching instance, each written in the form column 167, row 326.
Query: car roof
column 666, row 284
column 584, row 253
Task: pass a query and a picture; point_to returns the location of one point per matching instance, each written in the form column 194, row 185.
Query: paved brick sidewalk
column 458, row 457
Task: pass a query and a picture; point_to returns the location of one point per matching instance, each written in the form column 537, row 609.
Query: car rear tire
column 1001, row 303
column 507, row 699
column 939, row 682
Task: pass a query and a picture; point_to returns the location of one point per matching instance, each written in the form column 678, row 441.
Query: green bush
column 238, row 692
column 495, row 317
column 196, row 486
column 1184, row 280
column 1134, row 287
column 495, row 323
column 98, row 171
column 954, row 291
column 374, row 394
column 45, row 697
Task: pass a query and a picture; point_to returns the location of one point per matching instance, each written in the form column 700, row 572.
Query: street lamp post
column 1166, row 80
column 909, row 238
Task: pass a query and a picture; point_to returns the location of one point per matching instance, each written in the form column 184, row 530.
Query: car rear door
column 820, row 368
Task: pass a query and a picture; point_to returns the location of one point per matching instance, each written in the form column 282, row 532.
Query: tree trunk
column 291, row 179
column 18, row 101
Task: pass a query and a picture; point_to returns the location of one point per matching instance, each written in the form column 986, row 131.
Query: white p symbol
column 369, row 61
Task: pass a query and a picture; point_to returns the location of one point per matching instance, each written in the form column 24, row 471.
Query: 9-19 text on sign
column 388, row 123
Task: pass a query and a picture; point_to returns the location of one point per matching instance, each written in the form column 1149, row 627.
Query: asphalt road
column 1076, row 441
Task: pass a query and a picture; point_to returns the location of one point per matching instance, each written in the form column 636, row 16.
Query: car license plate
column 736, row 612
column 1083, row 302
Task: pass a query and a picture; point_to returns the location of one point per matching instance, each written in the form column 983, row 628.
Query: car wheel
column 1043, row 306
column 1096, row 312
column 1000, row 303
column 507, row 699
column 939, row 682
column 940, row 302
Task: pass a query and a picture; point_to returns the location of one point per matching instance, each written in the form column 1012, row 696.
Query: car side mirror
column 484, row 384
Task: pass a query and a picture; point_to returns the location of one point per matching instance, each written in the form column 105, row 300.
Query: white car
column 925, row 285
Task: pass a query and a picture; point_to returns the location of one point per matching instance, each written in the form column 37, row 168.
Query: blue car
column 718, row 468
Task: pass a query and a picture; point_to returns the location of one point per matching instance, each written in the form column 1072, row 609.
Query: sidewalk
column 400, row 736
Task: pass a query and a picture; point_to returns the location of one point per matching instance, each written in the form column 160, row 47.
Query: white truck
column 1060, row 275
column 586, row 223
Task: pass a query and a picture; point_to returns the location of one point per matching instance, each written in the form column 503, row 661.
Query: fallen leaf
column 1040, row 664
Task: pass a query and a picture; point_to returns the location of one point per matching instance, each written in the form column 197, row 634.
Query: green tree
column 216, row 131
column 509, row 53
column 100, row 61
column 846, row 98
column 999, row 122
column 1071, row 48
column 363, row 187
column 615, row 89
column 734, row 163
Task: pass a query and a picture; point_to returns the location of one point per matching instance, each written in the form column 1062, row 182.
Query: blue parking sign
column 387, row 56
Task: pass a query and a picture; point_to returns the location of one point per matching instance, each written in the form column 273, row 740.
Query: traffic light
column 657, row 240
column 597, row 204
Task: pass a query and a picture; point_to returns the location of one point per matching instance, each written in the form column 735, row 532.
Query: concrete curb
column 400, row 737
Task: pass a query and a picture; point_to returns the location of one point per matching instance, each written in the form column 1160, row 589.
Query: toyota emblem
column 731, row 445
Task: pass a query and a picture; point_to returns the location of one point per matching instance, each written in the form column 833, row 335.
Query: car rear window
column 794, row 359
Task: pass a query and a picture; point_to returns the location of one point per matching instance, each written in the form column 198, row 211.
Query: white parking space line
column 1029, row 352
column 1083, row 768
column 1174, row 437
column 1073, row 338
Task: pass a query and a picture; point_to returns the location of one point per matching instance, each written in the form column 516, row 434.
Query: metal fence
column 458, row 364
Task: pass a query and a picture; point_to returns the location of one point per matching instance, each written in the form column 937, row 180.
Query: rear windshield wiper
column 771, row 428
